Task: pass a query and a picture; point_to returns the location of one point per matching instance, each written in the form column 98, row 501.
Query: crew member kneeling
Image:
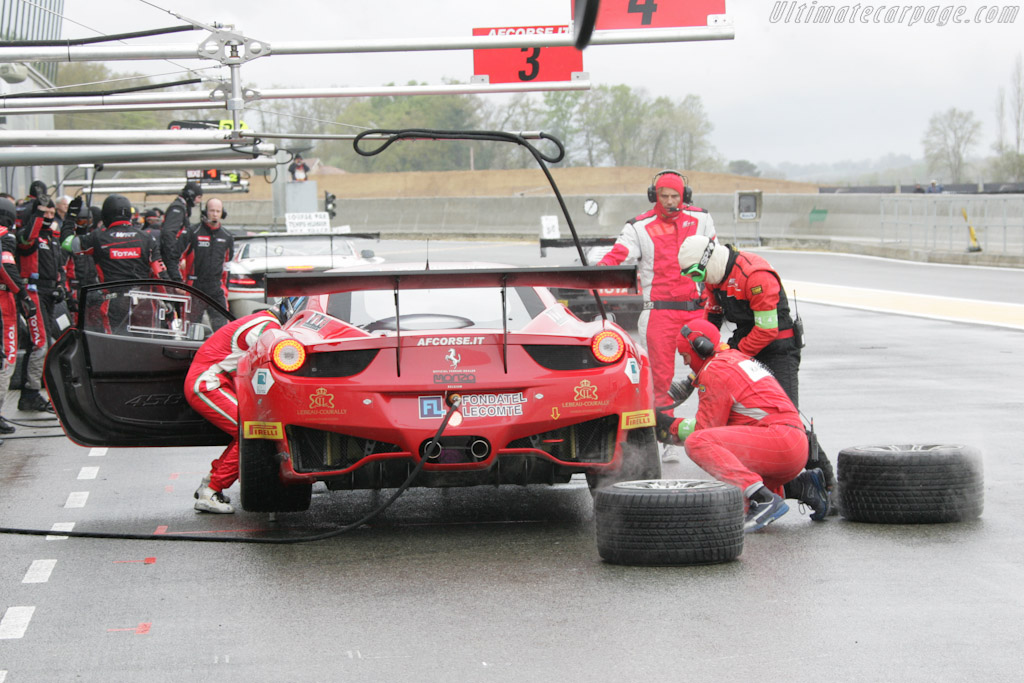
column 747, row 432
column 210, row 390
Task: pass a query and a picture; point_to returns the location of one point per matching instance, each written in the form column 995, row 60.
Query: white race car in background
column 257, row 255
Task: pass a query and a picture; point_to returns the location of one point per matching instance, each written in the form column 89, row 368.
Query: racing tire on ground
column 260, row 484
column 640, row 460
column 910, row 484
column 669, row 522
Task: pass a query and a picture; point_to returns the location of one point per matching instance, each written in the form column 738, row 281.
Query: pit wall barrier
column 916, row 227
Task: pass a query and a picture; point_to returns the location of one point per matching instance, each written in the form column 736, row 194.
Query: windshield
column 436, row 308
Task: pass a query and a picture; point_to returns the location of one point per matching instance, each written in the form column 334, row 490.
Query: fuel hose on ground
column 455, row 402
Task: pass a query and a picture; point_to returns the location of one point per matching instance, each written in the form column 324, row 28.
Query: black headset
column 223, row 210
column 701, row 345
column 652, row 192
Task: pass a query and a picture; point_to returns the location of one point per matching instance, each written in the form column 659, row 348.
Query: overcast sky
column 780, row 91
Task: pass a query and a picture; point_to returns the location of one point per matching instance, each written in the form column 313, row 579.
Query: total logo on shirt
column 134, row 252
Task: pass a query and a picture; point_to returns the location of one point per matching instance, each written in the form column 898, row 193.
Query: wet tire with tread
column 669, row 522
column 910, row 484
column 261, row 487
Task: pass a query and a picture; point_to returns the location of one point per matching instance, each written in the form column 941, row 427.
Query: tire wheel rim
column 667, row 484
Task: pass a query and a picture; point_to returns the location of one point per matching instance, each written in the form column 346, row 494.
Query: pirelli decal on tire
column 637, row 419
column 267, row 430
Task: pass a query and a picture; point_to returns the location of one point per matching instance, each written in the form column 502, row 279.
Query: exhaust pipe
column 431, row 450
column 479, row 449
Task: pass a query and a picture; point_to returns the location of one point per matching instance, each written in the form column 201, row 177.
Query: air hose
column 455, row 402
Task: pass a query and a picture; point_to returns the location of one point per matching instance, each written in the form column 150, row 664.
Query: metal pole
column 216, row 98
column 210, row 49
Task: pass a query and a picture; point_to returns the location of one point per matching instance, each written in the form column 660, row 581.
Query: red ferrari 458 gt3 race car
column 477, row 371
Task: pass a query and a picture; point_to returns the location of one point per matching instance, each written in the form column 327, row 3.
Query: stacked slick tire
column 910, row 484
column 669, row 522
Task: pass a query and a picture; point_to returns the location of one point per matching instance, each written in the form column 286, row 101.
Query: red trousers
column 660, row 336
column 746, row 455
column 219, row 405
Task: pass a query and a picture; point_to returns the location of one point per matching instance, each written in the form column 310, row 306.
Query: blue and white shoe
column 760, row 515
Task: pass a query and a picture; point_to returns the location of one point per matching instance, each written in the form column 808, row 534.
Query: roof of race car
column 452, row 277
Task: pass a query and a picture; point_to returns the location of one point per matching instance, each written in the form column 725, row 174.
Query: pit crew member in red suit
column 13, row 296
column 35, row 262
column 210, row 390
column 210, row 248
column 743, row 288
column 747, row 432
column 120, row 251
column 670, row 300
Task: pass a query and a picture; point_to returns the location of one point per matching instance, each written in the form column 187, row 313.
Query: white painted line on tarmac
column 97, row 452
column 39, row 571
column 15, row 622
column 918, row 305
column 60, row 526
column 88, row 472
column 76, row 499
column 3, row 676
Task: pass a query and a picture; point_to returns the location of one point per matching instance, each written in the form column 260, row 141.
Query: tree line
column 952, row 136
column 605, row 126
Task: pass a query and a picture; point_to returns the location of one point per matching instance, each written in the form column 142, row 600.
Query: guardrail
column 954, row 222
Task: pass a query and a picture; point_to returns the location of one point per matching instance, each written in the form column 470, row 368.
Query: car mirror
column 366, row 253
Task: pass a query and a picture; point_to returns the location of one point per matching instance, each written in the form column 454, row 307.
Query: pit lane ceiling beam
column 240, row 163
column 216, row 99
column 233, row 48
column 116, row 137
column 102, row 154
column 169, row 188
column 120, row 182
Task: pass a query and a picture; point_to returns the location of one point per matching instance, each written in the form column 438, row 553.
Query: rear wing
column 579, row 277
column 571, row 277
column 552, row 243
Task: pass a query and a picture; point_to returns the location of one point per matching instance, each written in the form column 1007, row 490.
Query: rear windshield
column 436, row 308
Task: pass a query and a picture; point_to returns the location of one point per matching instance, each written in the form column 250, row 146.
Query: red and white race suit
column 210, row 385
column 670, row 300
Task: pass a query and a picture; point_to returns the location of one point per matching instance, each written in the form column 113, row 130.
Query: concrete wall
column 932, row 222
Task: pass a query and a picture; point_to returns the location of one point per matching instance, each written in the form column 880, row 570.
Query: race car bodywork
column 352, row 391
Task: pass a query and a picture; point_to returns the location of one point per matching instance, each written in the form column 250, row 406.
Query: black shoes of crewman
column 32, row 401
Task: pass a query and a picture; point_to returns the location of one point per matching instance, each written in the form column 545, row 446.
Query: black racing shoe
column 810, row 490
column 33, row 401
column 6, row 427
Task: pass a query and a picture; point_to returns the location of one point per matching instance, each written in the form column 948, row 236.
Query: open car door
column 117, row 377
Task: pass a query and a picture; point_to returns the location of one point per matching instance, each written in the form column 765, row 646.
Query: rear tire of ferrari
column 669, row 522
column 910, row 484
column 640, row 460
column 261, row 487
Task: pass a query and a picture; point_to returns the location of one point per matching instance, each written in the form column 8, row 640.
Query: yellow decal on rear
column 263, row 430
column 638, row 419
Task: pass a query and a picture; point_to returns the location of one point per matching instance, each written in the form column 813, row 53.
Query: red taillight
column 241, row 281
column 607, row 346
column 288, row 355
